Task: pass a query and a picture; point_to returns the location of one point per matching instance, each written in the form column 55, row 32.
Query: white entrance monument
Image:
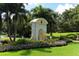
column 39, row 29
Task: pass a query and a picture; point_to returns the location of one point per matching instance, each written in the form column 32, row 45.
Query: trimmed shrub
column 68, row 40
column 4, row 41
column 21, row 41
column 10, row 47
column 72, row 36
column 29, row 44
column 59, row 43
column 62, row 38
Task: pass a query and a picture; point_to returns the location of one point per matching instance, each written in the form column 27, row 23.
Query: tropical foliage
column 14, row 19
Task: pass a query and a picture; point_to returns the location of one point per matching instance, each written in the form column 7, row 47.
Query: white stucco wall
column 35, row 29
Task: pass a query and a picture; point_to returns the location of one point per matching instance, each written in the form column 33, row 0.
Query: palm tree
column 18, row 10
column 46, row 13
column 19, row 17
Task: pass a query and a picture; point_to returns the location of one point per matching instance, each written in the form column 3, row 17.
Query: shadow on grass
column 47, row 50
column 19, row 52
column 25, row 52
column 29, row 51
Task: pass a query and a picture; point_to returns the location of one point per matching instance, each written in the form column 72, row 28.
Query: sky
column 58, row 7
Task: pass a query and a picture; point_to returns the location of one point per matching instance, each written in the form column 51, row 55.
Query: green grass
column 63, row 34
column 69, row 50
column 54, row 35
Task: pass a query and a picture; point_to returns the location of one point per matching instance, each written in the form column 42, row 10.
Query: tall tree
column 48, row 14
column 10, row 9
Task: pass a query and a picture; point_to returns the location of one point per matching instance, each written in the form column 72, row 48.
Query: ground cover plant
column 58, row 50
column 69, row 50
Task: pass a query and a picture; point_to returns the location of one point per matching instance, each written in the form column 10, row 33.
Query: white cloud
column 61, row 8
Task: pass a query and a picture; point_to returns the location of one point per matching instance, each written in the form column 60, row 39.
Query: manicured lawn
column 69, row 50
column 4, row 37
column 63, row 34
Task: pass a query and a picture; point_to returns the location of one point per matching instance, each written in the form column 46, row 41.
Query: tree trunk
column 14, row 34
column 50, row 30
column 15, row 27
column 14, row 38
column 8, row 27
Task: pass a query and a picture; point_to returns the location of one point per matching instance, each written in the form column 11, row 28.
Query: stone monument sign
column 39, row 29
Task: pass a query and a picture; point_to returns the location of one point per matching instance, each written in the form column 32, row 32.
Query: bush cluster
column 29, row 44
column 66, row 39
column 72, row 36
